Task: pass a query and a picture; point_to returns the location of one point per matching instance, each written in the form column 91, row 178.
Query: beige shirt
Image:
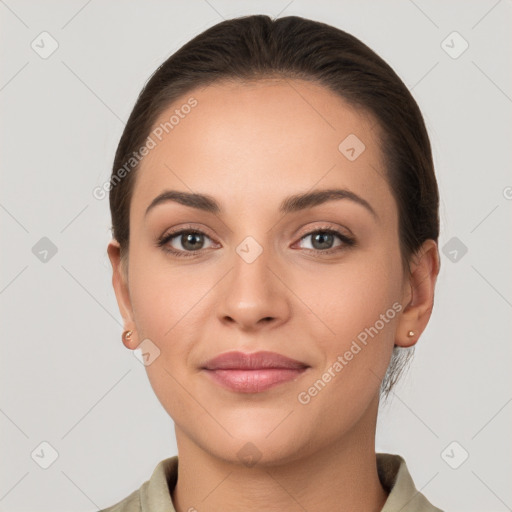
column 154, row 495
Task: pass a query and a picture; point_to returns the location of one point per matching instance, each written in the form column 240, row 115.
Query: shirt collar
column 155, row 494
column 396, row 479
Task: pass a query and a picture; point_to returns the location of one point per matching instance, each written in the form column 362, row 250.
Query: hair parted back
column 256, row 47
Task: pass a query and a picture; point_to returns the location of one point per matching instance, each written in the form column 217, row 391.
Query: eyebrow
column 291, row 204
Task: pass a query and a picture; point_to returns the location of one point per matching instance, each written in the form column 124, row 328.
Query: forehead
column 251, row 144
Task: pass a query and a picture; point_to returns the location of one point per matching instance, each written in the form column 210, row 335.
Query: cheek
column 163, row 306
column 352, row 312
column 161, row 294
column 351, row 294
column 169, row 309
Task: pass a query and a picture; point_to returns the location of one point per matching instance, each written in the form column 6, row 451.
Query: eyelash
column 348, row 241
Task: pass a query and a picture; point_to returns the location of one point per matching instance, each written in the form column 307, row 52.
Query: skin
column 250, row 146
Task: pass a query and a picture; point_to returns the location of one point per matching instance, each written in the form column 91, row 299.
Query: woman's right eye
column 187, row 238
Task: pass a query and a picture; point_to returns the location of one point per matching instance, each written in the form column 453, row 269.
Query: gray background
column 66, row 378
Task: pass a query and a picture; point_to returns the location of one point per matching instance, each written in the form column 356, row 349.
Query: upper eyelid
column 309, row 231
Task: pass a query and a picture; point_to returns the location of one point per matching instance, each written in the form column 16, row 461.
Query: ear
column 418, row 294
column 120, row 284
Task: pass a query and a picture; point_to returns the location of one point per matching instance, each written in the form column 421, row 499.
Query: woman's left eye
column 192, row 240
column 326, row 236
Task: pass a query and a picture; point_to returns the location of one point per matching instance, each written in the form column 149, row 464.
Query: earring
column 410, row 334
column 127, row 335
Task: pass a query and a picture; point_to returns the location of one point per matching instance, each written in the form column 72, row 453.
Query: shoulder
column 154, row 495
column 396, row 479
column 129, row 504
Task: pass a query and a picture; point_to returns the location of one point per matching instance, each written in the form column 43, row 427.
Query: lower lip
column 254, row 381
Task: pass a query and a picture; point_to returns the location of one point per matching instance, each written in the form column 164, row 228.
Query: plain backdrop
column 71, row 391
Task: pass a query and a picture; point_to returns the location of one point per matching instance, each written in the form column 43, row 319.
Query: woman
column 274, row 252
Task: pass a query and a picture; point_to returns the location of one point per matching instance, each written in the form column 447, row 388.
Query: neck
column 341, row 476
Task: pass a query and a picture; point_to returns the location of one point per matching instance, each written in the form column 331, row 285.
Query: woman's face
column 263, row 277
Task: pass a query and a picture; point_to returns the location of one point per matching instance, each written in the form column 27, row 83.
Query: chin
column 251, row 445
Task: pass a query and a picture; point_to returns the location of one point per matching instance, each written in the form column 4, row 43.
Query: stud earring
column 127, row 335
column 410, row 334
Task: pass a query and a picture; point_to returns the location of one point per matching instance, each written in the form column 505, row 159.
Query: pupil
column 189, row 238
column 322, row 237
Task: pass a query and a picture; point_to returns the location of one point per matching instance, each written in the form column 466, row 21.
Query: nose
column 254, row 295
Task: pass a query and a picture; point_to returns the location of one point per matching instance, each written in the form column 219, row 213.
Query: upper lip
column 252, row 361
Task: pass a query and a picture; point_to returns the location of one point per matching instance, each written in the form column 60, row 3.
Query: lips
column 252, row 361
column 253, row 372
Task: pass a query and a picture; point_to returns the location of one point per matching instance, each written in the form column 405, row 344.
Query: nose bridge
column 252, row 292
column 251, row 275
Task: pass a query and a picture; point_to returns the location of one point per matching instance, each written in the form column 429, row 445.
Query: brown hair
column 256, row 47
